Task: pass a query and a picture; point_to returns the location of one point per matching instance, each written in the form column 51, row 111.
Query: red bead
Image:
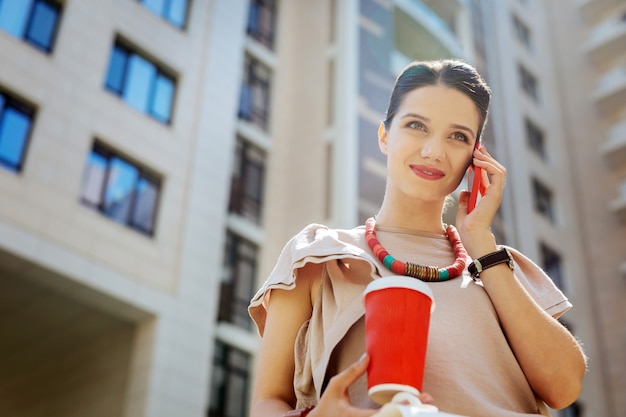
column 398, row 267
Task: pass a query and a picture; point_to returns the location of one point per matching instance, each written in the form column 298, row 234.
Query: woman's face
column 430, row 141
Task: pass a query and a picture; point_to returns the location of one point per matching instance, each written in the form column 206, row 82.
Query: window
column 528, row 83
column 535, row 139
column 522, row 32
column 246, row 191
column 174, row 11
column 255, row 93
column 551, row 263
column 230, row 382
column 262, row 21
column 543, row 200
column 35, row 21
column 238, row 281
column 16, row 120
column 120, row 189
column 140, row 83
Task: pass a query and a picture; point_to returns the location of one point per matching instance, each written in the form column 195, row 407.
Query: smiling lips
column 427, row 173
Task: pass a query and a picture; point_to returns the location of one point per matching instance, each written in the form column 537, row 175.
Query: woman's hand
column 335, row 400
column 474, row 228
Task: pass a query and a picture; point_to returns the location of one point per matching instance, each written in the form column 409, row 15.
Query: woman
column 495, row 347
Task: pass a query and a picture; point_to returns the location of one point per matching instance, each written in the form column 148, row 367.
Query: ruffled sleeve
column 314, row 244
column 539, row 285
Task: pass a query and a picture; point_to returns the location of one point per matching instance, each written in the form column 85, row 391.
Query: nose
column 433, row 149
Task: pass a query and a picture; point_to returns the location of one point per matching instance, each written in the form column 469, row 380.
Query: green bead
column 444, row 274
column 388, row 260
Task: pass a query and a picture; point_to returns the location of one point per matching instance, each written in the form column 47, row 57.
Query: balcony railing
column 262, row 22
column 614, row 148
column 253, row 104
column 242, row 203
column 592, row 9
column 606, row 39
column 610, row 93
column 436, row 26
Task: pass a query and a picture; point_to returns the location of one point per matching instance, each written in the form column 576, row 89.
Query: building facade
column 114, row 174
column 156, row 155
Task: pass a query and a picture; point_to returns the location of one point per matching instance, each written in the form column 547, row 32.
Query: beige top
column 470, row 368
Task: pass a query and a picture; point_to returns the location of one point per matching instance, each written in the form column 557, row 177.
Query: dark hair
column 450, row 73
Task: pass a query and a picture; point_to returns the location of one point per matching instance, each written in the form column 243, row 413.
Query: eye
column 416, row 125
column 459, row 136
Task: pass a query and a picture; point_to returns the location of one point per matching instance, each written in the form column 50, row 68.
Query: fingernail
column 363, row 357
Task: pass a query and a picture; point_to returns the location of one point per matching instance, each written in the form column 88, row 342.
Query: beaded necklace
column 425, row 273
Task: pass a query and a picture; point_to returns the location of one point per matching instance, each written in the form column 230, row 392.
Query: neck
column 411, row 214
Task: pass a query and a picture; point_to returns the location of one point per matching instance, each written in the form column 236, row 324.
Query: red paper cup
column 397, row 316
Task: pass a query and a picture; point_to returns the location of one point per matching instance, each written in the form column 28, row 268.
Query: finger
column 463, row 201
column 496, row 174
column 494, row 161
column 426, row 398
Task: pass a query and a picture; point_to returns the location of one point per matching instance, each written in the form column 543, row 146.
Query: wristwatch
column 491, row 259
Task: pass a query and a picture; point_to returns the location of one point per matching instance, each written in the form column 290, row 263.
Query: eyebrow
column 426, row 119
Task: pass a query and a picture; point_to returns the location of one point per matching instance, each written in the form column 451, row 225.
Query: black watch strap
column 491, row 259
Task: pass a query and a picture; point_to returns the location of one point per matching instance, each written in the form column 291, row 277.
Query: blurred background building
column 155, row 156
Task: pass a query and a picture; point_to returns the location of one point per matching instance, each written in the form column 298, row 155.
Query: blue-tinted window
column 120, row 189
column 145, row 207
column 262, row 21
column 174, row 11
column 254, row 99
column 118, row 195
column 163, row 95
column 15, row 125
column 117, row 68
column 141, row 83
column 140, row 77
column 35, row 21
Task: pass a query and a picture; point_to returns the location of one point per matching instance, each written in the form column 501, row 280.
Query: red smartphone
column 474, row 184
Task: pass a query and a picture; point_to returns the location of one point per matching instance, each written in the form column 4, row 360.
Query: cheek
column 468, row 162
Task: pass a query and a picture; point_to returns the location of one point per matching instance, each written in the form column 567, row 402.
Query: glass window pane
column 117, row 66
column 155, row 6
column 177, row 12
column 14, row 127
column 145, row 205
column 139, row 80
column 14, row 16
column 254, row 182
column 164, row 93
column 43, row 25
column 119, row 193
column 229, row 386
column 93, row 179
column 236, row 404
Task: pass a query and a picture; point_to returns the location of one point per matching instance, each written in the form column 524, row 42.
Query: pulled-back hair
column 449, row 73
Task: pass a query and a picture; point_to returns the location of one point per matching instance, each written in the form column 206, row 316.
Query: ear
column 382, row 138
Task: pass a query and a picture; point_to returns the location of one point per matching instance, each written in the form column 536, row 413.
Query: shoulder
column 320, row 238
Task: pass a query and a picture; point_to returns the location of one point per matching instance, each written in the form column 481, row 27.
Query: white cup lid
column 401, row 281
